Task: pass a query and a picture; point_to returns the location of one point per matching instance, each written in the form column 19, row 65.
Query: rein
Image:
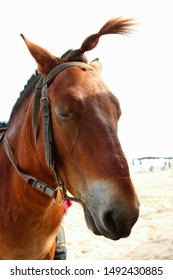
column 3, row 128
column 42, row 99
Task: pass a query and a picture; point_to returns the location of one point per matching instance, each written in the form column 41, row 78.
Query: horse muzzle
column 113, row 223
column 110, row 213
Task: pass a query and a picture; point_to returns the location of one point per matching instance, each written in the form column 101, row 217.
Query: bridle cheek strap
column 47, row 132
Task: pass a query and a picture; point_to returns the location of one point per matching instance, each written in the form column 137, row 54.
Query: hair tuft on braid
column 119, row 25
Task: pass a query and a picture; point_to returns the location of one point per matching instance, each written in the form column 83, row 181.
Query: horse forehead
column 79, row 82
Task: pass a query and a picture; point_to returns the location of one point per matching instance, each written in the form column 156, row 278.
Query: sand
column 151, row 237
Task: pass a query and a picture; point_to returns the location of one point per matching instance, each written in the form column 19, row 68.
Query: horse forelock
column 74, row 55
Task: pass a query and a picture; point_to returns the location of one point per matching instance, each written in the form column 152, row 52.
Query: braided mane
column 113, row 26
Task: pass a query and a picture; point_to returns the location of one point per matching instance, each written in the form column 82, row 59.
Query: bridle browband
column 42, row 98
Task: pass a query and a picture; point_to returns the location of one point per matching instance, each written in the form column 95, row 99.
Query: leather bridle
column 42, row 98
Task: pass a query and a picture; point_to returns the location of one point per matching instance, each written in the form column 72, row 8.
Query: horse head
column 84, row 120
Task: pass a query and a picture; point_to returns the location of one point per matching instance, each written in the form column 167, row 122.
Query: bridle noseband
column 42, row 98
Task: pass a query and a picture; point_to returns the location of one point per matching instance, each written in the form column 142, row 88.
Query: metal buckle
column 44, row 98
column 59, row 188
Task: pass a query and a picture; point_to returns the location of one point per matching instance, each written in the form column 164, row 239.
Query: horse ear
column 96, row 65
column 45, row 60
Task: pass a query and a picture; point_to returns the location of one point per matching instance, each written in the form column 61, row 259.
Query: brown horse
column 62, row 135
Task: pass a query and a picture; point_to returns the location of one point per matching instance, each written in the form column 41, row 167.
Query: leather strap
column 35, row 183
column 3, row 129
column 47, row 131
column 36, row 108
column 53, row 73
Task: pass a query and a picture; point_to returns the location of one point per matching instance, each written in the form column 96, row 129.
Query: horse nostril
column 110, row 222
column 119, row 222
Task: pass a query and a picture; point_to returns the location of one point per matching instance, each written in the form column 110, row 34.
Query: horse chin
column 96, row 227
column 90, row 222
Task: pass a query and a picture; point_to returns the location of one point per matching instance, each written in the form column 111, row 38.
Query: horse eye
column 65, row 116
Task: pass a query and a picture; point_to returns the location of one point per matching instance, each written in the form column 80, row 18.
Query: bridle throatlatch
column 42, row 98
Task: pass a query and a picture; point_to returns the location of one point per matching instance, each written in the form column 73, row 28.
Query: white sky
column 137, row 68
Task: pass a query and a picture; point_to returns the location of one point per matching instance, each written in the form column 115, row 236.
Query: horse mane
column 113, row 26
column 25, row 94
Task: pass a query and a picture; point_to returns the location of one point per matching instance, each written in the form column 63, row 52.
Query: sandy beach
column 151, row 237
